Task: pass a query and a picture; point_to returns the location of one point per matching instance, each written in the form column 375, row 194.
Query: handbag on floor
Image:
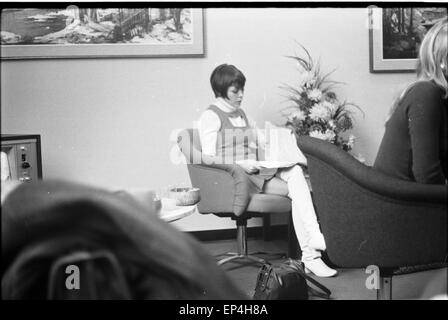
column 286, row 281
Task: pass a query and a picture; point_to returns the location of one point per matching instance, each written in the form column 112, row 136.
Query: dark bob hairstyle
column 225, row 76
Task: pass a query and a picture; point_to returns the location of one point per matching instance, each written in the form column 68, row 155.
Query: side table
column 169, row 212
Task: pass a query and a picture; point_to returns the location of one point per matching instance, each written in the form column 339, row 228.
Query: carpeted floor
column 349, row 284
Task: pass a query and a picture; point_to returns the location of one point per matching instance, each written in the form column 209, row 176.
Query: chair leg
column 385, row 290
column 233, row 256
column 256, row 259
column 267, row 228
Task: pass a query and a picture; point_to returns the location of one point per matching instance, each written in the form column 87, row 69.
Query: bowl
column 185, row 196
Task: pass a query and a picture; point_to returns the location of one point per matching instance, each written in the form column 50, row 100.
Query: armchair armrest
column 224, row 188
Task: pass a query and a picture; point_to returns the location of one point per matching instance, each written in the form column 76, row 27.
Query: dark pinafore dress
column 239, row 143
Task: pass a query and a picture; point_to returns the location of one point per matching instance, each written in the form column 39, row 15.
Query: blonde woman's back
column 414, row 146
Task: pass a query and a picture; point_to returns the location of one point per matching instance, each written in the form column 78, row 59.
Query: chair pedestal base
column 242, row 254
column 236, row 256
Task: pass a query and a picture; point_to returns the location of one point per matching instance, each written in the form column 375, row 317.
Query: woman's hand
column 249, row 167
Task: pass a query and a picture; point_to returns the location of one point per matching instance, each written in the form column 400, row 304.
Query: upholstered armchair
column 226, row 192
column 369, row 218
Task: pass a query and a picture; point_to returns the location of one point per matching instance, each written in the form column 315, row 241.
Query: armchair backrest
column 368, row 177
column 224, row 188
column 190, row 144
column 369, row 218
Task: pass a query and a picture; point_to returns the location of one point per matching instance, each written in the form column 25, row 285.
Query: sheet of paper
column 282, row 146
column 281, row 149
column 267, row 164
column 275, row 164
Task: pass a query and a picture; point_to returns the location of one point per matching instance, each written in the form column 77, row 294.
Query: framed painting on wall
column 76, row 32
column 395, row 35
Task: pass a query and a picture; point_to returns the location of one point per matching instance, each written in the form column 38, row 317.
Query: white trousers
column 303, row 214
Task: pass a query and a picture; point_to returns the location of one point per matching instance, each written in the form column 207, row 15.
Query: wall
column 108, row 122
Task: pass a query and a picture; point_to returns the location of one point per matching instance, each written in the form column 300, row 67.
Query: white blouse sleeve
column 208, row 126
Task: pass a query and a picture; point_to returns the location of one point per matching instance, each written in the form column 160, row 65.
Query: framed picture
column 76, row 32
column 395, row 35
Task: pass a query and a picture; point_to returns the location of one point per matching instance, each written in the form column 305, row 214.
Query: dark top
column 414, row 146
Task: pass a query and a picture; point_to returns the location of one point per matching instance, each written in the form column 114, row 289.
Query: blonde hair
column 432, row 60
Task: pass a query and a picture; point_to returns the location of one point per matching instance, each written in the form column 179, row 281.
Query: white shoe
column 317, row 242
column 319, row 268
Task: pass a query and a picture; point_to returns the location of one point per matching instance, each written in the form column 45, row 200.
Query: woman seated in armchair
column 415, row 143
column 223, row 131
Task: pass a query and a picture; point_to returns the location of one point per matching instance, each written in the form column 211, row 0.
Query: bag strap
column 298, row 267
column 263, row 276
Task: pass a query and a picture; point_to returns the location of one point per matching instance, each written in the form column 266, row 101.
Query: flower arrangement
column 316, row 110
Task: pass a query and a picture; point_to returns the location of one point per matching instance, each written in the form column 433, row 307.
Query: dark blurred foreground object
column 67, row 241
column 286, row 281
column 371, row 219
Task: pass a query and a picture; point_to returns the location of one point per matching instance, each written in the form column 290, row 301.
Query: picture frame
column 162, row 36
column 395, row 35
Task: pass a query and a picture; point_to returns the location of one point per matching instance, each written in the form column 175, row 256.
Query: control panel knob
column 25, row 165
